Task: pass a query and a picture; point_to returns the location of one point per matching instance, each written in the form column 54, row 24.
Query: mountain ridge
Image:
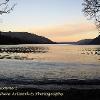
column 95, row 41
column 22, row 38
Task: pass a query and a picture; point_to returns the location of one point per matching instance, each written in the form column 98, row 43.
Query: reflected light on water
column 55, row 53
column 22, row 64
column 21, row 53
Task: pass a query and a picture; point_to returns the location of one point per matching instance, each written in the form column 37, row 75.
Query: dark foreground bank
column 38, row 94
column 66, row 90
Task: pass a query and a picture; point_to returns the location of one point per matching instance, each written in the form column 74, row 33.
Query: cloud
column 72, row 31
column 65, row 29
column 67, row 32
column 75, row 37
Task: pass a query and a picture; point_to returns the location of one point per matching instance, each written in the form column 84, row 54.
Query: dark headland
column 23, row 38
column 12, row 38
column 95, row 41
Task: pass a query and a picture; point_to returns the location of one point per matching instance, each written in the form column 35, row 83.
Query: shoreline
column 51, row 85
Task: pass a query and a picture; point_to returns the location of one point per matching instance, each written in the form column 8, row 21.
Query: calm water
column 28, row 64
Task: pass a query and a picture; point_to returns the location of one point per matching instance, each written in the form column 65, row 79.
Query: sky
column 58, row 20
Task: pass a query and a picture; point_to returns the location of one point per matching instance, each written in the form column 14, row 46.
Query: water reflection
column 24, row 50
column 91, row 51
column 52, row 53
column 21, row 53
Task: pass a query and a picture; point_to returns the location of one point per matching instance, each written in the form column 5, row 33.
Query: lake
column 46, row 65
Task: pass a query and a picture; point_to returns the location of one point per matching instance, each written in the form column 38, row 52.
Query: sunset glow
column 59, row 20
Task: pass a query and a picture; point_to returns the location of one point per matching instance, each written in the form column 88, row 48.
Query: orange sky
column 65, row 32
column 59, row 20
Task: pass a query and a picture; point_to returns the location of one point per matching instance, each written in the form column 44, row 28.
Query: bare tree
column 4, row 7
column 92, row 11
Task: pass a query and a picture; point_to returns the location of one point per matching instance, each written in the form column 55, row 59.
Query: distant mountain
column 95, row 41
column 65, row 42
column 83, row 42
column 22, row 38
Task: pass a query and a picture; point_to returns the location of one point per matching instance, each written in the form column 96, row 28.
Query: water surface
column 25, row 65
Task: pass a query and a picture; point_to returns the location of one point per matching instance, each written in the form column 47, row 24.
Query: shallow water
column 31, row 64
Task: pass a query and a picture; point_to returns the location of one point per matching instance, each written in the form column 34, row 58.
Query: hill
column 83, row 42
column 22, row 38
column 95, row 41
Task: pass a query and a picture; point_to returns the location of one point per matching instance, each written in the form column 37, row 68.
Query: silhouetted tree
column 4, row 7
column 92, row 11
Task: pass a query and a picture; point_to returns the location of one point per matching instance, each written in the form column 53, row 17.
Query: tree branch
column 92, row 11
column 5, row 8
